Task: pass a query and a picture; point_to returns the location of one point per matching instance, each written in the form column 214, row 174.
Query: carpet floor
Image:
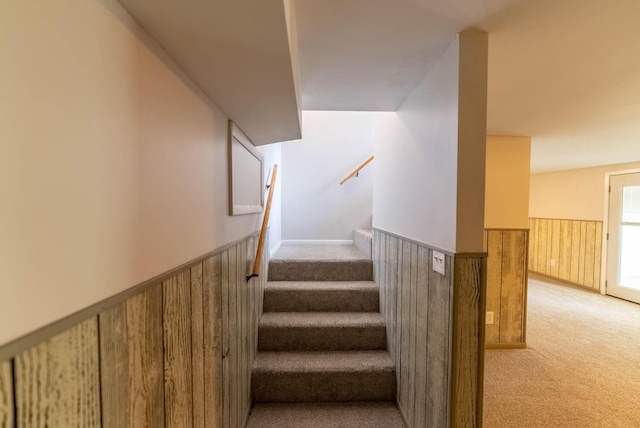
column 581, row 367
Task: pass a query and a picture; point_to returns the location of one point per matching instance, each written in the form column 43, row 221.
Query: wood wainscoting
column 506, row 287
column 434, row 330
column 177, row 352
column 570, row 250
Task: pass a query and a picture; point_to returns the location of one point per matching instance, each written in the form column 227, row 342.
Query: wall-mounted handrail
column 357, row 170
column 265, row 222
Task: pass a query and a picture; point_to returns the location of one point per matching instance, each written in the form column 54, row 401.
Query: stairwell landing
column 322, row 354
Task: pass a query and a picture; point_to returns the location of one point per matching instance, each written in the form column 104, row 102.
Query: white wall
column 420, row 191
column 113, row 167
column 314, row 205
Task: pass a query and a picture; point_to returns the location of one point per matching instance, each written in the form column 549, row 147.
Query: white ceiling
column 237, row 51
column 565, row 72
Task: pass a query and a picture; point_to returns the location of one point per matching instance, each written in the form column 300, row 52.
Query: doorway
column 623, row 258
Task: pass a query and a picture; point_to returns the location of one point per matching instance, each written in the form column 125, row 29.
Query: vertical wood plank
column 405, row 312
column 555, row 248
column 226, row 344
column 494, row 284
column 58, row 381
column 6, row 395
column 438, row 345
column 512, row 295
column 542, row 245
column 597, row 267
column 533, row 244
column 131, row 352
column 422, row 304
column 176, row 307
column 583, row 248
column 245, row 320
column 197, row 347
column 413, row 331
column 547, row 267
column 393, row 283
column 466, row 349
column 589, row 253
column 234, row 339
column 575, row 251
column 212, row 341
column 564, row 262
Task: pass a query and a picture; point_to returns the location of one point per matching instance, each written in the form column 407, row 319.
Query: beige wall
column 574, row 194
column 507, row 183
column 113, row 167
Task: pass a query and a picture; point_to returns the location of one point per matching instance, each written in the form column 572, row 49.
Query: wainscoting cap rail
column 356, row 171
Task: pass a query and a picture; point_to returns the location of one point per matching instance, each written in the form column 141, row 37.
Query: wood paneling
column 132, row 363
column 576, row 254
column 212, row 341
column 6, row 395
column 506, row 286
column 494, row 284
column 178, row 353
column 57, row 382
column 178, row 389
column 416, row 303
column 468, row 343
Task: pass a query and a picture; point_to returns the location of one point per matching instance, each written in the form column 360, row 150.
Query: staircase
column 322, row 359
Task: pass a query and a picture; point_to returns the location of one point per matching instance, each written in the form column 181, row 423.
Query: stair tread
column 323, row 252
column 313, row 362
column 326, row 415
column 321, row 319
column 321, row 286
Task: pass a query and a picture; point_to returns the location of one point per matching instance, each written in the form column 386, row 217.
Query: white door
column 623, row 258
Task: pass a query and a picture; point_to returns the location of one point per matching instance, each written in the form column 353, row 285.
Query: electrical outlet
column 553, row 262
column 438, row 262
column 489, row 318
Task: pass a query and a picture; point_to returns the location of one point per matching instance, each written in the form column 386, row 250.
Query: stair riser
column 357, row 270
column 321, row 338
column 321, row 301
column 331, row 386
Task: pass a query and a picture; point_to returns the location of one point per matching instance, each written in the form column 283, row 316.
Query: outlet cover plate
column 438, row 262
column 489, row 318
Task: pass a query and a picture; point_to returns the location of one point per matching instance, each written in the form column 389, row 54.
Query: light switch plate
column 438, row 262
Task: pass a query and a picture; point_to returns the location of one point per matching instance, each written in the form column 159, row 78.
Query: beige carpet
column 581, row 368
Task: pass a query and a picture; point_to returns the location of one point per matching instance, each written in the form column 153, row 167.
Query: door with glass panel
column 623, row 258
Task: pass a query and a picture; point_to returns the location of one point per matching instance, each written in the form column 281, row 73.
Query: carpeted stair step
column 326, row 415
column 323, row 376
column 321, row 296
column 321, row 331
column 320, row 270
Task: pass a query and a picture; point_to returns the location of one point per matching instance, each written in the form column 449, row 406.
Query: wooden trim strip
column 514, row 345
column 423, row 244
column 11, row 349
column 357, row 170
column 509, row 229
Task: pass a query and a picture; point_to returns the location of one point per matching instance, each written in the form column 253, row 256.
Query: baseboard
column 317, row 242
column 276, row 248
column 559, row 281
column 402, row 415
column 515, row 345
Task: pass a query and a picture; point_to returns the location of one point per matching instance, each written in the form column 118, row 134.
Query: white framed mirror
column 246, row 185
